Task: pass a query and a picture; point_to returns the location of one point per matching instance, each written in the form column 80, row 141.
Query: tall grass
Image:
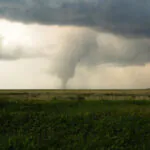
column 87, row 125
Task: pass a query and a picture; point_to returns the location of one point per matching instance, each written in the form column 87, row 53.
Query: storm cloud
column 125, row 17
column 76, row 47
column 89, row 36
column 92, row 49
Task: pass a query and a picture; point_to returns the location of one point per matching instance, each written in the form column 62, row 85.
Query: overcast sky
column 74, row 44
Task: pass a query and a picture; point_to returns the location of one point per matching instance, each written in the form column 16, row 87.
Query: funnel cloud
column 76, row 43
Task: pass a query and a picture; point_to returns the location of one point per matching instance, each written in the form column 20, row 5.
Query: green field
column 76, row 124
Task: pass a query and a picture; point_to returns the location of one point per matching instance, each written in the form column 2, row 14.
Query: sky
column 74, row 44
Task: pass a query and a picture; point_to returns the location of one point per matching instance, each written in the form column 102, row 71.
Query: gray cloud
column 20, row 54
column 126, row 17
column 80, row 48
column 85, row 47
column 115, row 21
column 16, row 51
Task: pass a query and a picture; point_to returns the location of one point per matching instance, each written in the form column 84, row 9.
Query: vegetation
column 75, row 125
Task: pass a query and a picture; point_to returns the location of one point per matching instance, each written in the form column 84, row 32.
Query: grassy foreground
column 75, row 125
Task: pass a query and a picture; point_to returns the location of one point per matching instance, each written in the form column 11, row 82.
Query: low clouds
column 23, row 74
column 69, row 48
column 27, row 74
column 111, row 77
column 95, row 40
column 18, row 41
column 125, row 17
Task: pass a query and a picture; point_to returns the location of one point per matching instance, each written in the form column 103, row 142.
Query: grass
column 75, row 125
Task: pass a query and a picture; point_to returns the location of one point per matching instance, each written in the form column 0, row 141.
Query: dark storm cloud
column 127, row 17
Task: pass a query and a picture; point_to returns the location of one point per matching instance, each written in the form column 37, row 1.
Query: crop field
column 74, row 119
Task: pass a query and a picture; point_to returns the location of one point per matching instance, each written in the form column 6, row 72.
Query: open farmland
column 76, row 94
column 69, row 119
